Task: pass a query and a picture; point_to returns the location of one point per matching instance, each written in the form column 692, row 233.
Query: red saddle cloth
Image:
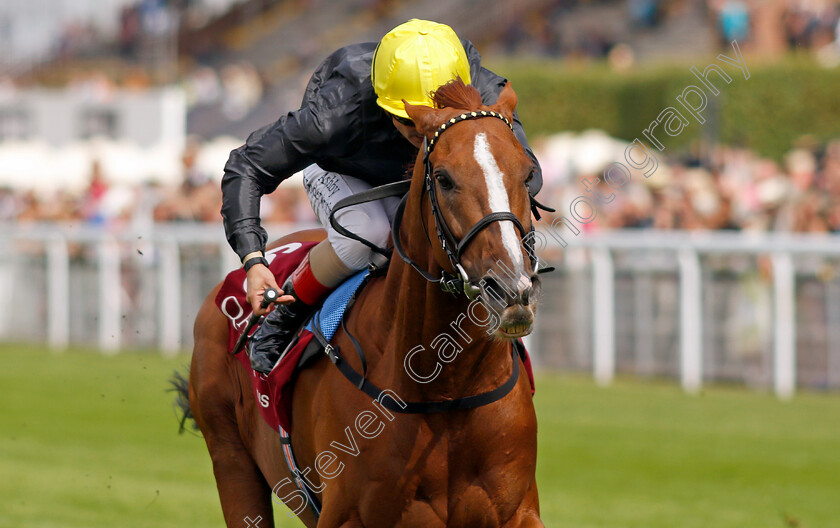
column 274, row 391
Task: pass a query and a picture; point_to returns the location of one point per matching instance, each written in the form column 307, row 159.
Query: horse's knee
column 525, row 518
column 530, row 522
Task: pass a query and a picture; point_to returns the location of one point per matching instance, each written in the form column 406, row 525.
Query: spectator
column 734, row 22
column 91, row 206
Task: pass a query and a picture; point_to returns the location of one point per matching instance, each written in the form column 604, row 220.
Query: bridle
column 455, row 284
column 453, row 247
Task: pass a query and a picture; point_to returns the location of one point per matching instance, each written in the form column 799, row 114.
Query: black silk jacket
column 341, row 128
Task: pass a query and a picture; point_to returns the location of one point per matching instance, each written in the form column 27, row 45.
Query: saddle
column 273, row 391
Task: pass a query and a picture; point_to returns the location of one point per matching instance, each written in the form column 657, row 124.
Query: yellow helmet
column 413, row 60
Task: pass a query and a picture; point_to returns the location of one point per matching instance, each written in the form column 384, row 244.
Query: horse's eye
column 530, row 177
column 444, row 181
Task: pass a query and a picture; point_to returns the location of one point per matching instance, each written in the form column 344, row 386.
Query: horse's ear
column 424, row 117
column 507, row 102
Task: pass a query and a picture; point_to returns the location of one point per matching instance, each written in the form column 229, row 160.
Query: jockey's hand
column 260, row 279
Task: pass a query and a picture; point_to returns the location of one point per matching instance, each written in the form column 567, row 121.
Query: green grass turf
column 90, row 441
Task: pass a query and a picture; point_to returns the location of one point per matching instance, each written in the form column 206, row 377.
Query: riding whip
column 269, row 296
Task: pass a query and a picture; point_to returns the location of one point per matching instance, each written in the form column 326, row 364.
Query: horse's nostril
column 494, row 289
column 525, row 287
column 507, row 295
column 525, row 296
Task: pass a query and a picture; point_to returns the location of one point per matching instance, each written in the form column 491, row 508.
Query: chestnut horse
column 468, row 467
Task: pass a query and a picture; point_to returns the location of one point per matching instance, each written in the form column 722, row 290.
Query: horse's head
column 479, row 172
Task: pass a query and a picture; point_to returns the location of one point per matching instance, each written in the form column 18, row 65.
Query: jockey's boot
column 281, row 325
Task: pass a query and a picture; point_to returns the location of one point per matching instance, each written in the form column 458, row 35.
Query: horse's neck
column 417, row 313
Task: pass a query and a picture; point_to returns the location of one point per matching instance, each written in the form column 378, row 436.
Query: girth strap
column 469, row 402
column 362, row 383
column 312, row 501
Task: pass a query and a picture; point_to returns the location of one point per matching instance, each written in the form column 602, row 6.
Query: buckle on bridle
column 450, row 284
column 458, row 285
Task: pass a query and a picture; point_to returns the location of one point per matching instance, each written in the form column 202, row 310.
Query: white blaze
column 498, row 198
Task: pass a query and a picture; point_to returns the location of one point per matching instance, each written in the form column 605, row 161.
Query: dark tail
column 180, row 386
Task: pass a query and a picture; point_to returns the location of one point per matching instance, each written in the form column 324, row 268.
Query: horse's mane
column 456, row 94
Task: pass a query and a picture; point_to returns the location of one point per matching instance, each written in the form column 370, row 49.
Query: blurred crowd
column 802, row 24
column 733, row 189
column 543, row 29
column 198, row 198
column 812, row 24
column 593, row 29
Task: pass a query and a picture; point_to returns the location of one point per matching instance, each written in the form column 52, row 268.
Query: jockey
column 350, row 134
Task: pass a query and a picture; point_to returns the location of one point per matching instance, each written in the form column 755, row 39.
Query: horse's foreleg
column 243, row 491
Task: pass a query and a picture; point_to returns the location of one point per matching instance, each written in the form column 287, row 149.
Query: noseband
column 454, row 248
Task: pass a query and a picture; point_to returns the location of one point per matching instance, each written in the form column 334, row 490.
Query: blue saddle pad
column 330, row 314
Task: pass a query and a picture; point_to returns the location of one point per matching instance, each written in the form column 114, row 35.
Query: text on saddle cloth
column 273, row 391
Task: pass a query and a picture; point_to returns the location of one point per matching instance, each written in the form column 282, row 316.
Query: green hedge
column 779, row 103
